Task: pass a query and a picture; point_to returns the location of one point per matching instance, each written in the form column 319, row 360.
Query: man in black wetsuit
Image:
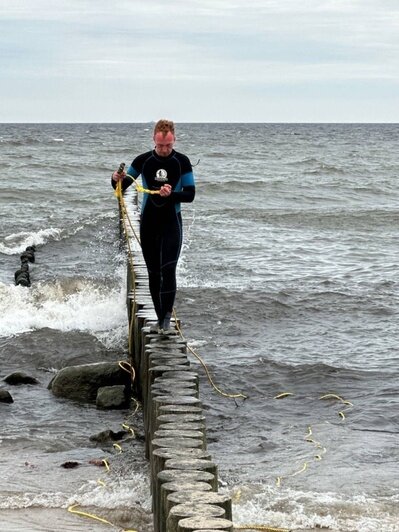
column 161, row 234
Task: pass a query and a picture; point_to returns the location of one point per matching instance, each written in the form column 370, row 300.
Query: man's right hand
column 118, row 176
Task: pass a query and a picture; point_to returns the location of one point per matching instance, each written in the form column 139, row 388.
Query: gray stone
column 20, row 378
column 5, row 396
column 81, row 383
column 112, row 397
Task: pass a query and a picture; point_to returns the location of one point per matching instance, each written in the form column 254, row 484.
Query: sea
column 287, row 289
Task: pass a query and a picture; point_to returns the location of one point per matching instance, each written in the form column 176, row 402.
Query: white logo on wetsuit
column 161, row 175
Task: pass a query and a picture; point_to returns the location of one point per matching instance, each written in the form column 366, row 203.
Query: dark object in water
column 108, row 435
column 5, row 396
column 23, row 269
column 28, row 256
column 18, row 377
column 22, row 276
column 70, row 465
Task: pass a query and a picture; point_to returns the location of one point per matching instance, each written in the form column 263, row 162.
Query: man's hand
column 165, row 191
column 118, row 176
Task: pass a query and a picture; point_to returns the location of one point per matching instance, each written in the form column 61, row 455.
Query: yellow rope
column 129, row 369
column 218, row 390
column 308, row 437
column 124, row 216
column 118, row 189
column 337, row 397
column 139, row 188
column 303, row 468
column 283, row 395
column 72, row 510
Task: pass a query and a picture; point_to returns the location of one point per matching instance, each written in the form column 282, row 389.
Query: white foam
column 18, row 242
column 71, row 305
column 30, row 500
column 122, row 493
column 287, row 508
column 119, row 493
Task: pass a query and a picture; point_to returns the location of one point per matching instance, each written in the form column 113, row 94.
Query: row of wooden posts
column 184, row 478
column 22, row 275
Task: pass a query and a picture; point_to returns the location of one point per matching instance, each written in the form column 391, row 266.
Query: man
column 161, row 234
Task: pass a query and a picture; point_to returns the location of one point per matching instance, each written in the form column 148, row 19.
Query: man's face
column 164, row 143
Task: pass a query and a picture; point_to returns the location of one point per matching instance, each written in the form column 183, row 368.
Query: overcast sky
column 199, row 60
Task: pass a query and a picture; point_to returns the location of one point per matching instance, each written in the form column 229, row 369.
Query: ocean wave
column 330, row 217
column 294, row 509
column 33, row 500
column 18, row 242
column 323, row 168
column 25, row 142
column 68, row 305
column 118, row 494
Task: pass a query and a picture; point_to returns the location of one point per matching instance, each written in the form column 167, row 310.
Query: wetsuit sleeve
column 127, row 181
column 186, row 195
column 132, row 170
column 187, row 192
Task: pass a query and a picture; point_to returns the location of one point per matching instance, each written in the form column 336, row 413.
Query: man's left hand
column 165, row 191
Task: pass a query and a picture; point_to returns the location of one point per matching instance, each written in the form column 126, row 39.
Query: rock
column 81, row 383
column 20, row 378
column 70, row 465
column 108, row 435
column 97, row 462
column 112, row 397
column 5, row 397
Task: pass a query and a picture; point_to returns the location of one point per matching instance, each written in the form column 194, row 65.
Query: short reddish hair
column 164, row 126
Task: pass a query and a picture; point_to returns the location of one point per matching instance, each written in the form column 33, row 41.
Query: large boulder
column 81, row 383
column 112, row 397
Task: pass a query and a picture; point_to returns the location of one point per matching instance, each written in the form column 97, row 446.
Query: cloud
column 234, row 47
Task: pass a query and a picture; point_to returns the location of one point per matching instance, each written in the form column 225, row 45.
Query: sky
column 199, row 60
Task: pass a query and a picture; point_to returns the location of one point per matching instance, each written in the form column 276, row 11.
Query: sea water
column 287, row 288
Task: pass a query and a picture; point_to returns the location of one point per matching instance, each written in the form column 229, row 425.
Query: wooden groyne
column 184, row 478
column 22, row 275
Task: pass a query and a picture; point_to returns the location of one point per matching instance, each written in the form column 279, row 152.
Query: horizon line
column 200, row 122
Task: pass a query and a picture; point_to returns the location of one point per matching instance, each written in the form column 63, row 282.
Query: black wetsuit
column 161, row 230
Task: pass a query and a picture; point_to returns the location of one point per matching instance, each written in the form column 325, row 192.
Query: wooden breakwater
column 184, row 478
